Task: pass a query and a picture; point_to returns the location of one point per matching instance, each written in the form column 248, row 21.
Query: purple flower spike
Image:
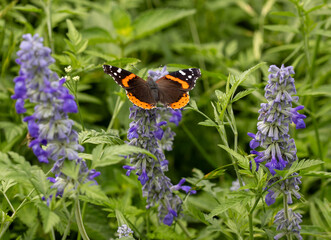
column 49, row 125
column 279, row 150
column 275, row 117
column 150, row 130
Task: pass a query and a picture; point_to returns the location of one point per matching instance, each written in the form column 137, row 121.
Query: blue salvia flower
column 50, row 127
column 288, row 224
column 287, row 187
column 279, row 149
column 149, row 131
column 275, row 118
column 124, row 231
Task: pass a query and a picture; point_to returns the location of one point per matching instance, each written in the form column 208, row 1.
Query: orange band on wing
column 184, row 84
column 139, row 103
column 182, row 102
column 127, row 79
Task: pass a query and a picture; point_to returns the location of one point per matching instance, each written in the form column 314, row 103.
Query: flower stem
column 79, row 111
column 288, row 235
column 250, row 218
column 118, row 105
column 184, row 229
column 66, row 232
column 47, row 8
column 79, row 220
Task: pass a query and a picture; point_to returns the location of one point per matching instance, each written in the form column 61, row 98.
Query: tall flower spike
column 279, row 149
column 50, row 127
column 149, row 130
column 275, row 117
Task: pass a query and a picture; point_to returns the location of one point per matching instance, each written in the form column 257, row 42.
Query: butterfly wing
column 137, row 89
column 173, row 87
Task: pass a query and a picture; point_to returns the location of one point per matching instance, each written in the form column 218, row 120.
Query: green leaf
column 123, row 62
column 282, row 28
column 242, row 94
column 71, row 169
column 86, row 156
column 93, row 193
column 208, row 123
column 195, row 212
column 318, row 174
column 230, row 203
column 243, row 76
column 94, row 137
column 76, row 44
column 28, row 8
column 297, row 166
column 116, row 153
column 6, row 184
column 74, row 36
column 121, row 21
column 49, row 218
column 242, row 161
column 214, row 174
column 322, row 32
column 320, row 213
column 283, row 13
column 156, row 19
column 193, row 104
column 40, row 181
column 324, row 90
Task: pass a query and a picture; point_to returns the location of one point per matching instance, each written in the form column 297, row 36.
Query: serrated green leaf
column 74, row 36
column 156, row 19
column 116, row 153
column 297, row 166
column 6, row 184
column 242, row 94
column 242, row 161
column 230, row 203
column 81, row 46
column 102, row 137
column 220, row 95
column 282, row 28
column 195, row 212
column 40, row 181
column 93, row 192
column 49, row 218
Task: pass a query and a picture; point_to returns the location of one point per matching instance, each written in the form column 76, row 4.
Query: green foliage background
column 221, row 38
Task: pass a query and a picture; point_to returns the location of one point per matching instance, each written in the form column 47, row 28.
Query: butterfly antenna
column 133, row 66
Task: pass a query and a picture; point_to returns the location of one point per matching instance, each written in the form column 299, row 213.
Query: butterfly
column 172, row 90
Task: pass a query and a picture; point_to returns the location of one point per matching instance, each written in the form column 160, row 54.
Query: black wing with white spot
column 188, row 75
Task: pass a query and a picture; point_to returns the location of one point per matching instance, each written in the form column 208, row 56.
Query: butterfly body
column 171, row 89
